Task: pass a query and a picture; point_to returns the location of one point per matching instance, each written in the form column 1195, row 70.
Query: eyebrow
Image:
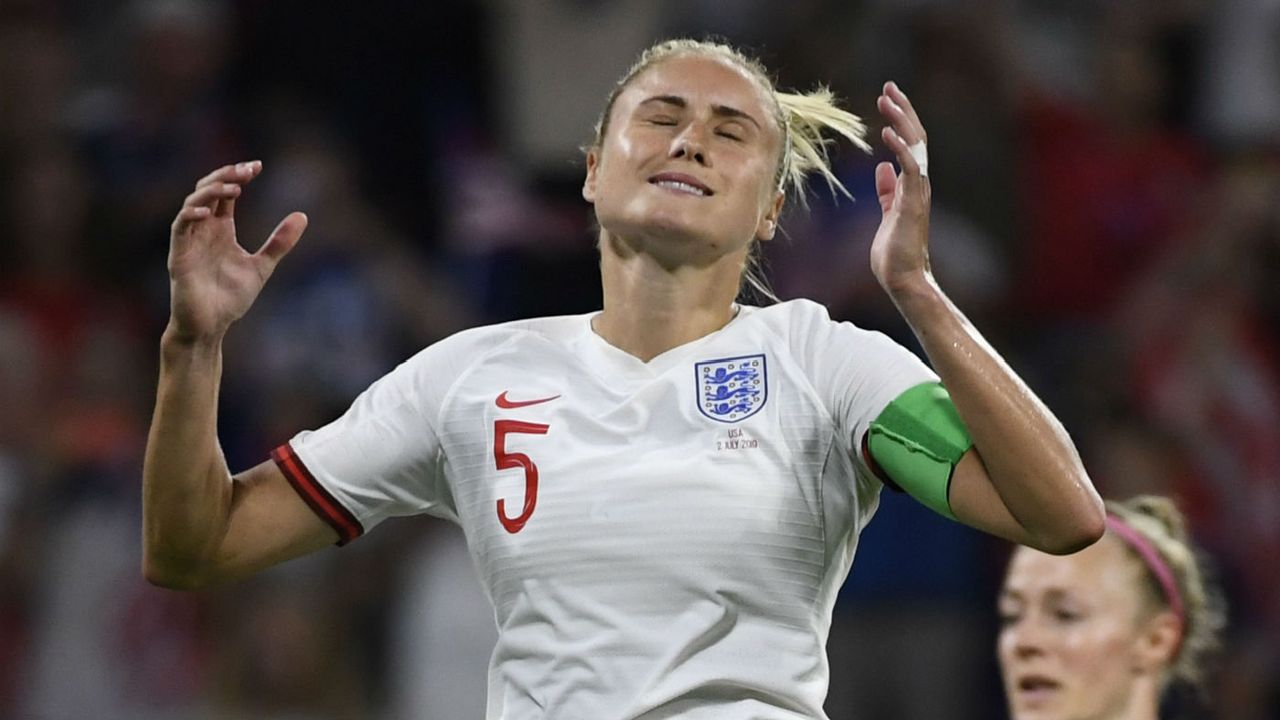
column 1053, row 594
column 721, row 110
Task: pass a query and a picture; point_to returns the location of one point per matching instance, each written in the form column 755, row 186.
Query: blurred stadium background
column 1107, row 208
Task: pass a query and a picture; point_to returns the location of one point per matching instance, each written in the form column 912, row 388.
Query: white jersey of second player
column 659, row 539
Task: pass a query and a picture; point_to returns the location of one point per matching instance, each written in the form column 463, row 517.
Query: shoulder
column 807, row 325
column 787, row 318
column 477, row 341
column 469, row 348
column 793, row 310
column 839, row 354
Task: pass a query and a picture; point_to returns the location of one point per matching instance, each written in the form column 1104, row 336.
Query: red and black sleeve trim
column 324, row 504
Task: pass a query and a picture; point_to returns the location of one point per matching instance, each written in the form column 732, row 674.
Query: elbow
column 1067, row 544
column 172, row 576
column 1086, row 527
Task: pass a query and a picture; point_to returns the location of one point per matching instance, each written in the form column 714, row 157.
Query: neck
column 651, row 307
column 1146, row 702
column 1143, row 703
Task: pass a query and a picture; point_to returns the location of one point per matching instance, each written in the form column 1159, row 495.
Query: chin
column 1051, row 710
column 659, row 227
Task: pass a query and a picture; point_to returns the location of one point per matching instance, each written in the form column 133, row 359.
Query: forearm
column 1032, row 463
column 186, row 491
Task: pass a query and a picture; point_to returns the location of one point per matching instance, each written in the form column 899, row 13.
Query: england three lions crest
column 732, row 389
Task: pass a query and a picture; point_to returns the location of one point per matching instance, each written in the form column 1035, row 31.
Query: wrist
column 922, row 303
column 912, row 287
column 177, row 341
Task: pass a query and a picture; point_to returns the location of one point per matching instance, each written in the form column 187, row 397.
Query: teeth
column 682, row 187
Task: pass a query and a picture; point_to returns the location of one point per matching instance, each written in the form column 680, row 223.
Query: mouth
column 681, row 183
column 1036, row 689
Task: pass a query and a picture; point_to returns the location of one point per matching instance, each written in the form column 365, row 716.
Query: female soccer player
column 661, row 498
column 1099, row 635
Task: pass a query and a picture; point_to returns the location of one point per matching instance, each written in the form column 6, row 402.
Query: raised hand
column 900, row 250
column 213, row 280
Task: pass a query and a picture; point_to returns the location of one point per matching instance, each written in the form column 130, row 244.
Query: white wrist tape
column 921, row 155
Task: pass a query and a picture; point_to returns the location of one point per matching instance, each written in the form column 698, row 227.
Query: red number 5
column 505, row 460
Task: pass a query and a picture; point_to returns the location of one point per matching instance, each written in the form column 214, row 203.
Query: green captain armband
column 917, row 441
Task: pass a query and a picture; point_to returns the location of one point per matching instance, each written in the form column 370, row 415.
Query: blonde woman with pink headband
column 1103, row 633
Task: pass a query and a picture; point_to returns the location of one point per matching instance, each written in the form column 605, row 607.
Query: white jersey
column 660, row 539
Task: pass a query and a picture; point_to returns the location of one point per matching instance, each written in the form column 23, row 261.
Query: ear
column 768, row 224
column 589, row 184
column 1158, row 642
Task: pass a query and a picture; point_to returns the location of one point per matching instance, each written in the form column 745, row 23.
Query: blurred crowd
column 1106, row 208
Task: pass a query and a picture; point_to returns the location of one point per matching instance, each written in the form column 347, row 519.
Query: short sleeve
column 381, row 458
column 856, row 372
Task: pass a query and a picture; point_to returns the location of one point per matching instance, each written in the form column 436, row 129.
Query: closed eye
column 1009, row 609
column 663, row 120
column 734, row 130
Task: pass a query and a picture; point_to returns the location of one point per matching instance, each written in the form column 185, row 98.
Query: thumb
column 886, row 185
column 283, row 238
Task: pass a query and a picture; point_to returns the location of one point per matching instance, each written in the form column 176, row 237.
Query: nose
column 1025, row 638
column 690, row 145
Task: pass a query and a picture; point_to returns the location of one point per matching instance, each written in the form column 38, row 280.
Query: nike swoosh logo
column 503, row 402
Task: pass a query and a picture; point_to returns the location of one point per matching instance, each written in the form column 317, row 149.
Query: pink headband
column 1152, row 560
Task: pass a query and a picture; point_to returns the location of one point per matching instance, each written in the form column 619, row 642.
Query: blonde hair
column 802, row 118
column 1159, row 522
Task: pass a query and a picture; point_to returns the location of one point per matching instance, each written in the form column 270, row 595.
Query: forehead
column 1103, row 570
column 702, row 79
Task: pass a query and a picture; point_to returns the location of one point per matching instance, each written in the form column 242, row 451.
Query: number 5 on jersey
column 507, row 460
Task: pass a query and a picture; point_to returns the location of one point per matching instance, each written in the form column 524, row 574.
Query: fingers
column 282, row 239
column 901, row 151
column 895, row 104
column 210, row 195
column 215, row 193
column 241, row 173
column 905, row 134
column 231, row 173
column 202, row 204
column 191, row 214
column 886, row 185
